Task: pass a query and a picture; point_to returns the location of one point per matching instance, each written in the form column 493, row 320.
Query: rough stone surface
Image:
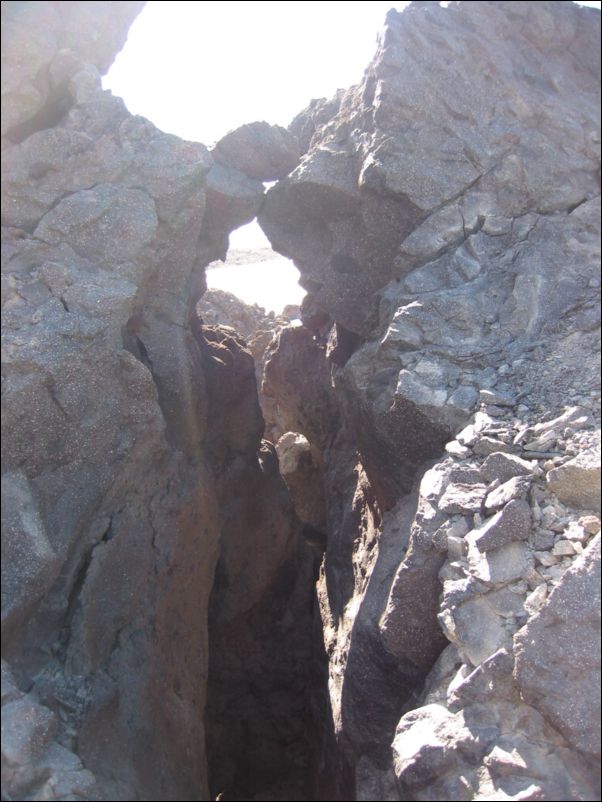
column 513, row 522
column 461, row 498
column 134, row 478
column 43, row 47
column 558, row 661
column 440, row 221
column 259, row 150
column 515, row 488
column 577, row 482
column 159, row 596
column 504, row 467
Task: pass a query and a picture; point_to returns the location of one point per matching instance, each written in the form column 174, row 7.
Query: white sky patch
column 249, row 237
column 199, row 69
column 272, row 283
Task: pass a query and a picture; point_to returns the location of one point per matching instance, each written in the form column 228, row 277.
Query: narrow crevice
column 304, row 382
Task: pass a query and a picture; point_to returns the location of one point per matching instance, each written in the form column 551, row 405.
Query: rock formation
column 396, row 596
column 130, row 431
column 446, row 221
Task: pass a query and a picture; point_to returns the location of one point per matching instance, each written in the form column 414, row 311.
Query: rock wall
column 446, row 221
column 133, row 468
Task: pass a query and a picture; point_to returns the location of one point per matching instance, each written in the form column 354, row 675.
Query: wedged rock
column 558, row 655
column 430, row 742
column 409, row 623
column 475, row 628
column 577, row 482
column 293, row 361
column 300, row 470
column 502, row 565
column 259, row 150
column 232, row 200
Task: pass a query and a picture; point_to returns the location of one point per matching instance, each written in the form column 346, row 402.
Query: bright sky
column 199, row 69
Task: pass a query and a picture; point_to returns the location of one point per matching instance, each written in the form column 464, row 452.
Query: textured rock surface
column 445, row 221
column 577, row 482
column 44, row 46
column 157, row 591
column 259, row 150
column 553, row 654
column 128, row 429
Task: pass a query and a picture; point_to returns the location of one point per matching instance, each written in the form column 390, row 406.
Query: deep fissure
column 250, row 748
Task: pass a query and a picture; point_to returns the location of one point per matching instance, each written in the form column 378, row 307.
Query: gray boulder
column 259, row 150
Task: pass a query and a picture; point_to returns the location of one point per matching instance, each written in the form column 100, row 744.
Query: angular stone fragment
column 514, row 488
column 576, row 417
column 465, row 397
column 590, row 523
column 456, row 449
column 503, row 466
column 27, row 730
column 462, row 498
column 502, row 565
column 410, row 386
column 513, row 522
column 489, row 445
column 475, row 627
column 564, row 548
column 496, row 398
column 427, row 743
column 536, row 599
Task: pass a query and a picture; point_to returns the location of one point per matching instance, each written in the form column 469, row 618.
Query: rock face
column 43, row 47
column 445, row 219
column 128, row 431
column 433, row 449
